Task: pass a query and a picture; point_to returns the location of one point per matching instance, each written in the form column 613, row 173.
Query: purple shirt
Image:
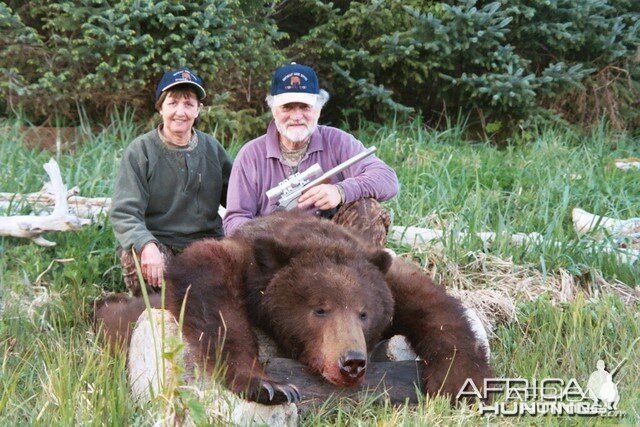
column 259, row 166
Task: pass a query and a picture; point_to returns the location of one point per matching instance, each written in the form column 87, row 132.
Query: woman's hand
column 153, row 264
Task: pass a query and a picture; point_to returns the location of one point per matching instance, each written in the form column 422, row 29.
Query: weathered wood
column 396, row 381
column 94, row 208
column 585, row 222
column 629, row 163
column 32, row 227
column 419, row 237
column 624, row 233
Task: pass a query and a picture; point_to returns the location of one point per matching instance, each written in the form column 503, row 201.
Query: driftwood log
column 624, row 233
column 396, row 381
column 585, row 222
column 32, row 227
column 41, row 202
column 418, row 237
column 621, row 236
column 629, row 163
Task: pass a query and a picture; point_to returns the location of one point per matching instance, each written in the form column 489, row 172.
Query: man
column 294, row 142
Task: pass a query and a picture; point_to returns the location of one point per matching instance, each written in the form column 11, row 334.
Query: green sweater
column 167, row 194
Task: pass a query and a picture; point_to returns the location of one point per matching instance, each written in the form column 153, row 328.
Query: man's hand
column 323, row 197
column 152, row 264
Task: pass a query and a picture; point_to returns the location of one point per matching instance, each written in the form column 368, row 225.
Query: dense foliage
column 62, row 55
column 501, row 63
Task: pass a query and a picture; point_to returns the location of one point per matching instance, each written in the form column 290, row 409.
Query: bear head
column 327, row 304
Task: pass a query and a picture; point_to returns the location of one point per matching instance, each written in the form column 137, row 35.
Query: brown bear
column 325, row 296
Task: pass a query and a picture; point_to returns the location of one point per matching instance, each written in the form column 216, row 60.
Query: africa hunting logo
column 548, row 396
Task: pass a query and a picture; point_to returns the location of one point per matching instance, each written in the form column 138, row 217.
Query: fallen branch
column 93, row 208
column 32, row 227
column 584, row 222
column 620, row 236
column 627, row 164
column 418, row 237
column 624, row 242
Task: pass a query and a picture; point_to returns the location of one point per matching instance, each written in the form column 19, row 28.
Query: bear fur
column 325, row 296
column 116, row 315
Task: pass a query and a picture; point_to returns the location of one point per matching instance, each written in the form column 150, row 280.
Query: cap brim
column 199, row 89
column 289, row 97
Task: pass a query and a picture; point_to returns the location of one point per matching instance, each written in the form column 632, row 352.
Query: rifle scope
column 290, row 184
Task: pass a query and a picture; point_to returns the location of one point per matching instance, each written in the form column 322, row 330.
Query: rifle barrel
column 342, row 166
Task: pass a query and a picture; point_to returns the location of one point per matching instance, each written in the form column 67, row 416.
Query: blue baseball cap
column 183, row 76
column 294, row 83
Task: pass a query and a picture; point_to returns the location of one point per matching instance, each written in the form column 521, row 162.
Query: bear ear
column 270, row 254
column 381, row 259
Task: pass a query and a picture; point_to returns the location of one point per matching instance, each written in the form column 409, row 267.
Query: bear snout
column 344, row 349
column 352, row 365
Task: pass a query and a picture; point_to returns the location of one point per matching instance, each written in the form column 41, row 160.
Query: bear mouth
column 336, row 378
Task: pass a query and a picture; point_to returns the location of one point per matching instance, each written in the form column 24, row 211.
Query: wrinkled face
column 295, row 121
column 327, row 315
column 179, row 111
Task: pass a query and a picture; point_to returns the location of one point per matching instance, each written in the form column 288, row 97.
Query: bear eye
column 363, row 316
column 320, row 312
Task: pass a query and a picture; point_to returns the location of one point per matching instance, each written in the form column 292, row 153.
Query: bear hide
column 326, row 297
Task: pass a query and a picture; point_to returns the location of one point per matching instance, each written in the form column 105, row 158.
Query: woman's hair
column 181, row 91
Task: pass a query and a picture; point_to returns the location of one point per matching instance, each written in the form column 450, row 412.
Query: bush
column 502, row 62
column 98, row 54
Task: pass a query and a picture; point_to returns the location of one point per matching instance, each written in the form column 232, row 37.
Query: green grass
column 54, row 371
column 527, row 188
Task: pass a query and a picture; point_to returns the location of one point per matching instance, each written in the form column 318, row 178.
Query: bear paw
column 271, row 392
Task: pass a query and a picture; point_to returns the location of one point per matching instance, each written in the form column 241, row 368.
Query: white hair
column 323, row 97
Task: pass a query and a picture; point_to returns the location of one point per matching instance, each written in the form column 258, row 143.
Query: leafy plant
column 501, row 62
column 61, row 55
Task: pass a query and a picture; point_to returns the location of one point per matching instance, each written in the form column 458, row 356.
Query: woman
column 170, row 184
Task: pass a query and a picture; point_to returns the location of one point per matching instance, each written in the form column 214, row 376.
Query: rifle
column 290, row 189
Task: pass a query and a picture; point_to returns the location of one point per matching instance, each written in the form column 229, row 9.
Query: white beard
column 296, row 135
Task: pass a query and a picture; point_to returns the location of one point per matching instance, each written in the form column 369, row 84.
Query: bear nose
column 353, row 364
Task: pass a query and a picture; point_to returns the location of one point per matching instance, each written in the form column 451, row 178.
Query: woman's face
column 179, row 111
